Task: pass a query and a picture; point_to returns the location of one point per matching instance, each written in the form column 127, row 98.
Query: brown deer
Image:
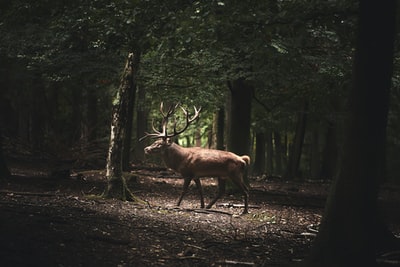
column 196, row 162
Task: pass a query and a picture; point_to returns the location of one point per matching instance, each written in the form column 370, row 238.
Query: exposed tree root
column 117, row 188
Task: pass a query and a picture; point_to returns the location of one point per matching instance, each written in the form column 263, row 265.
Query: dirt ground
column 46, row 220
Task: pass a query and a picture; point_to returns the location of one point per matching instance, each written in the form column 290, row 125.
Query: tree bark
column 329, row 153
column 141, row 124
column 351, row 232
column 76, row 116
column 92, row 113
column 296, row 149
column 220, row 129
column 117, row 187
column 38, row 114
column 270, row 152
column 239, row 120
column 259, row 162
column 126, row 154
column 4, row 171
column 240, row 117
column 279, row 151
column 315, row 164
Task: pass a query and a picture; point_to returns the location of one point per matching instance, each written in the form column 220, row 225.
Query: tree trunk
column 210, row 135
column 220, row 129
column 351, row 233
column 92, row 112
column 315, row 154
column 197, row 137
column 270, row 152
column 259, row 162
column 117, row 187
column 329, row 153
column 38, row 114
column 141, row 124
column 4, row 171
column 127, row 142
column 76, row 116
column 279, row 151
column 296, row 149
column 239, row 120
column 240, row 117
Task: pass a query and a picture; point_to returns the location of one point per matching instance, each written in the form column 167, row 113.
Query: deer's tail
column 246, row 166
column 246, row 159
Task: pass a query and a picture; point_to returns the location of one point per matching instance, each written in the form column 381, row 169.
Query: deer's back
column 209, row 162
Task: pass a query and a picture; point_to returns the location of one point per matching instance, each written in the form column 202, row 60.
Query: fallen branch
column 236, row 263
column 231, row 205
column 190, row 258
column 196, row 247
column 206, row 211
column 36, row 194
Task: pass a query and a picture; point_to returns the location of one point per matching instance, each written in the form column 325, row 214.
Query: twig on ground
column 231, row 205
column 206, row 211
column 236, row 263
column 196, row 247
column 36, row 194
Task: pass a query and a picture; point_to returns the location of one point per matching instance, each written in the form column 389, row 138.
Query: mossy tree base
column 117, row 188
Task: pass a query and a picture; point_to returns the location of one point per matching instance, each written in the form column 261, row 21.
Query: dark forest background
column 272, row 78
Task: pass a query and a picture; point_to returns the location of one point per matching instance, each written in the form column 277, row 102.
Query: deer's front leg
column 186, row 184
column 198, row 185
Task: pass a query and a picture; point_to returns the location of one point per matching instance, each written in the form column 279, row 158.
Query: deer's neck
column 173, row 156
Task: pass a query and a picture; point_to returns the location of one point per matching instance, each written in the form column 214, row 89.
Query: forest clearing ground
column 47, row 221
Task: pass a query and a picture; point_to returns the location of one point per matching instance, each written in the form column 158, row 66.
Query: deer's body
column 201, row 162
column 195, row 162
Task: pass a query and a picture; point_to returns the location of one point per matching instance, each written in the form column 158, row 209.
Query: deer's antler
column 166, row 115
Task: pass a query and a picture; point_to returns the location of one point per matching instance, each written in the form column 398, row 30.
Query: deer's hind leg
column 198, row 185
column 221, row 192
column 245, row 191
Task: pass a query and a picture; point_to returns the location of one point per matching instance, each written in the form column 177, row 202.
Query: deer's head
column 163, row 138
column 158, row 146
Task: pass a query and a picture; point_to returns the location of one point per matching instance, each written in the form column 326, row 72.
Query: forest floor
column 50, row 221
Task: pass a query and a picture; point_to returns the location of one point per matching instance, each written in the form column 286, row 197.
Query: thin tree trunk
column 329, row 153
column 351, row 233
column 91, row 116
column 240, row 119
column 270, row 152
column 278, row 153
column 197, row 137
column 4, row 171
column 296, row 149
column 126, row 154
column 141, row 124
column 76, row 116
column 38, row 114
column 315, row 154
column 210, row 136
column 220, row 129
column 117, row 187
column 259, row 162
